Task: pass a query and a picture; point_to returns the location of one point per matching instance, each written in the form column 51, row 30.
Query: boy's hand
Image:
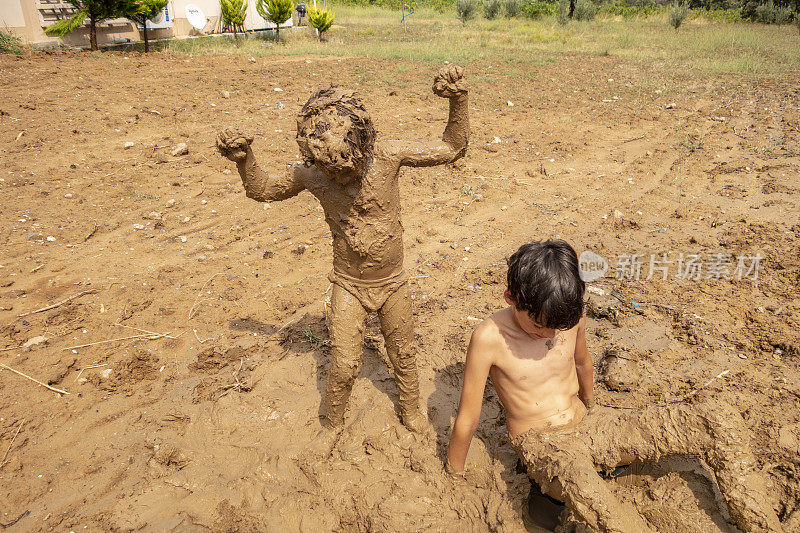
column 589, row 403
column 450, row 82
column 452, row 472
column 233, row 144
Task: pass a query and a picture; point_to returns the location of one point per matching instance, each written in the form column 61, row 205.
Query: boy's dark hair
column 544, row 280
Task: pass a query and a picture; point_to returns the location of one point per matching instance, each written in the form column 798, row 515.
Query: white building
column 27, row 19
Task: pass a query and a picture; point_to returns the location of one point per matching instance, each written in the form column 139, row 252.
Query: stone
column 180, row 149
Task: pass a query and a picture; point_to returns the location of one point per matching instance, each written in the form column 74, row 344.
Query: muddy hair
column 544, row 280
column 361, row 135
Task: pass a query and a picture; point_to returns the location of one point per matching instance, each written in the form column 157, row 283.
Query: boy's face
column 528, row 323
column 324, row 141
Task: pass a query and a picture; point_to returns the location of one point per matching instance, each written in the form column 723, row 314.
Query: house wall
column 22, row 17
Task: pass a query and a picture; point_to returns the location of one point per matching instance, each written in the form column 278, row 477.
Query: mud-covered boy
column 535, row 353
column 355, row 179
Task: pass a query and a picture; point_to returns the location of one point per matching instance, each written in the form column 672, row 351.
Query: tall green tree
column 146, row 10
column 277, row 11
column 233, row 14
column 96, row 11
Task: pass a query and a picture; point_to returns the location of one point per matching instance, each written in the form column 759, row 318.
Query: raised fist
column 233, row 144
column 450, row 82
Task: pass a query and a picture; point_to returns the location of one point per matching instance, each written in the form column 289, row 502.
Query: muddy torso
column 537, row 385
column 364, row 218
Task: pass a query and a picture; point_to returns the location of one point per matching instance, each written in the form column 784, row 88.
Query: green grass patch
column 700, row 45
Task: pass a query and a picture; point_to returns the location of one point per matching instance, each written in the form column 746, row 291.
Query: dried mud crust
column 559, row 162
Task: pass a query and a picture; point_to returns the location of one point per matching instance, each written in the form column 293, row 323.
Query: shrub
column 797, row 21
column 536, row 9
column 277, row 11
column 321, row 19
column 584, row 10
column 783, row 15
column 513, row 8
column 466, row 9
column 677, row 13
column 563, row 11
column 10, row 43
column 765, row 13
column 491, row 8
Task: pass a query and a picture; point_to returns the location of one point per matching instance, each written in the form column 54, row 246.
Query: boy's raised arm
column 259, row 185
column 584, row 366
column 479, row 361
column 449, row 83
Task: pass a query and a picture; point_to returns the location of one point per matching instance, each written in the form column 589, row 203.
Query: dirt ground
column 214, row 425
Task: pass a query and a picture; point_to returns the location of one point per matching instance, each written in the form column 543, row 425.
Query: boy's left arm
column 449, row 83
column 584, row 366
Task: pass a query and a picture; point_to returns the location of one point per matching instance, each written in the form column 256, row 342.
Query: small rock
column 742, row 356
column 170, row 202
column 153, row 215
column 187, row 219
column 35, row 341
column 51, row 239
column 670, row 105
column 180, row 149
column 226, row 171
column 496, row 140
column 31, row 236
column 138, row 226
column 278, row 90
column 68, row 195
column 226, row 94
column 182, row 238
column 81, row 381
column 252, row 59
column 106, row 374
column 279, row 105
column 127, row 145
column 510, row 103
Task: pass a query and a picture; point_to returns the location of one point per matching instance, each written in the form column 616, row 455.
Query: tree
column 321, row 19
column 97, row 11
column 147, row 9
column 233, row 14
column 277, row 11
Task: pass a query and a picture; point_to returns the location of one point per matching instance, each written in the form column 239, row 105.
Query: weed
column 313, row 339
column 690, row 144
column 9, row 43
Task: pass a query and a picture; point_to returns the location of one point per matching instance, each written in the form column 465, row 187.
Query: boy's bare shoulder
column 488, row 334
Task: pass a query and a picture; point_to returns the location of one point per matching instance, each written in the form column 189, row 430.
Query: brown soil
column 224, row 434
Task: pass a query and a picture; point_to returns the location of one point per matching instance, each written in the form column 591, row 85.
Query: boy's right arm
column 258, row 185
column 479, row 361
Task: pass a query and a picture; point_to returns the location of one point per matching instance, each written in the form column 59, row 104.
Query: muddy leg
column 713, row 431
column 562, row 465
column 348, row 318
column 398, row 332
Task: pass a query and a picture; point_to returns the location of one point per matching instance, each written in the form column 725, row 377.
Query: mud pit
column 223, row 433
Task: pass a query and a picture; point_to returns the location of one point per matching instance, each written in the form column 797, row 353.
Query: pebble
column 278, row 90
column 170, row 202
column 742, row 356
column 252, row 59
column 51, row 239
column 226, row 94
column 34, row 341
column 226, row 171
column 138, row 226
column 68, row 195
column 128, row 144
column 106, row 374
column 670, row 105
column 279, row 105
column 510, row 103
column 187, row 219
column 180, row 149
column 182, row 238
column 153, row 215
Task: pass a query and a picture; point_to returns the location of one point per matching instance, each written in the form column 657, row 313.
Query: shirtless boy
column 355, row 180
column 535, row 353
